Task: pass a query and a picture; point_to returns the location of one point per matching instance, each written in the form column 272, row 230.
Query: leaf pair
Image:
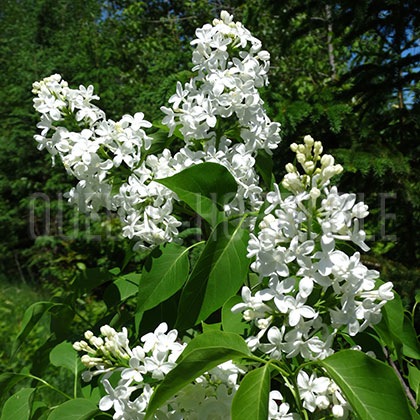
column 222, row 266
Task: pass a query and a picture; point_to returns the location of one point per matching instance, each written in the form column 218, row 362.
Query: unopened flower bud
column 88, row 335
column 314, row 193
column 318, row 148
column 265, row 223
column 87, row 376
column 309, row 141
column 107, row 331
column 301, row 148
column 301, row 158
column 360, row 210
column 322, row 402
column 338, row 411
column 332, row 388
column 90, row 362
column 308, row 166
column 385, row 291
column 328, row 172
column 338, row 169
column 290, row 168
column 248, row 315
column 96, row 341
column 264, row 55
column 327, row 160
column 224, row 15
column 263, row 323
column 77, row 346
column 293, row 147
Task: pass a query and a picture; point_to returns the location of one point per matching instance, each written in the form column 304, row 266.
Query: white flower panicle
column 230, row 66
column 140, row 370
column 105, row 156
column 93, row 149
column 309, row 288
column 89, row 145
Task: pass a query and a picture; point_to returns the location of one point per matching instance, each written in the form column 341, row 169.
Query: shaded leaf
column 410, row 343
column 122, row 289
column 414, row 381
column 233, row 322
column 8, row 380
column 31, row 317
column 91, row 278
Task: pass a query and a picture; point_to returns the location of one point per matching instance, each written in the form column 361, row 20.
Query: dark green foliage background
column 346, row 72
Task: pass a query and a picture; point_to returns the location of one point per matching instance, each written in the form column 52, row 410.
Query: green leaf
column 31, row 317
column 202, row 354
column 233, row 322
column 61, row 320
column 160, row 141
column 217, row 275
column 91, row 391
column 264, row 165
column 410, row 343
column 390, row 329
column 251, row 399
column 414, row 414
column 18, row 406
column 64, row 355
column 211, row 327
column 203, row 187
column 414, row 381
column 216, row 338
column 41, row 413
column 367, row 383
column 91, row 278
column 122, row 289
column 394, row 313
column 78, row 409
column 164, row 273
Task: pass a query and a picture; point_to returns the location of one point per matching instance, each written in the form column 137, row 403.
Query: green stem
column 412, row 313
column 28, row 375
column 81, row 316
column 192, row 246
column 298, row 400
column 76, row 375
column 283, row 372
column 244, row 215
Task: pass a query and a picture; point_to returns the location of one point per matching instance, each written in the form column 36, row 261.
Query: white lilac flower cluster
column 316, row 393
column 320, row 392
column 140, row 370
column 92, row 148
column 230, row 66
column 309, row 289
column 89, row 145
